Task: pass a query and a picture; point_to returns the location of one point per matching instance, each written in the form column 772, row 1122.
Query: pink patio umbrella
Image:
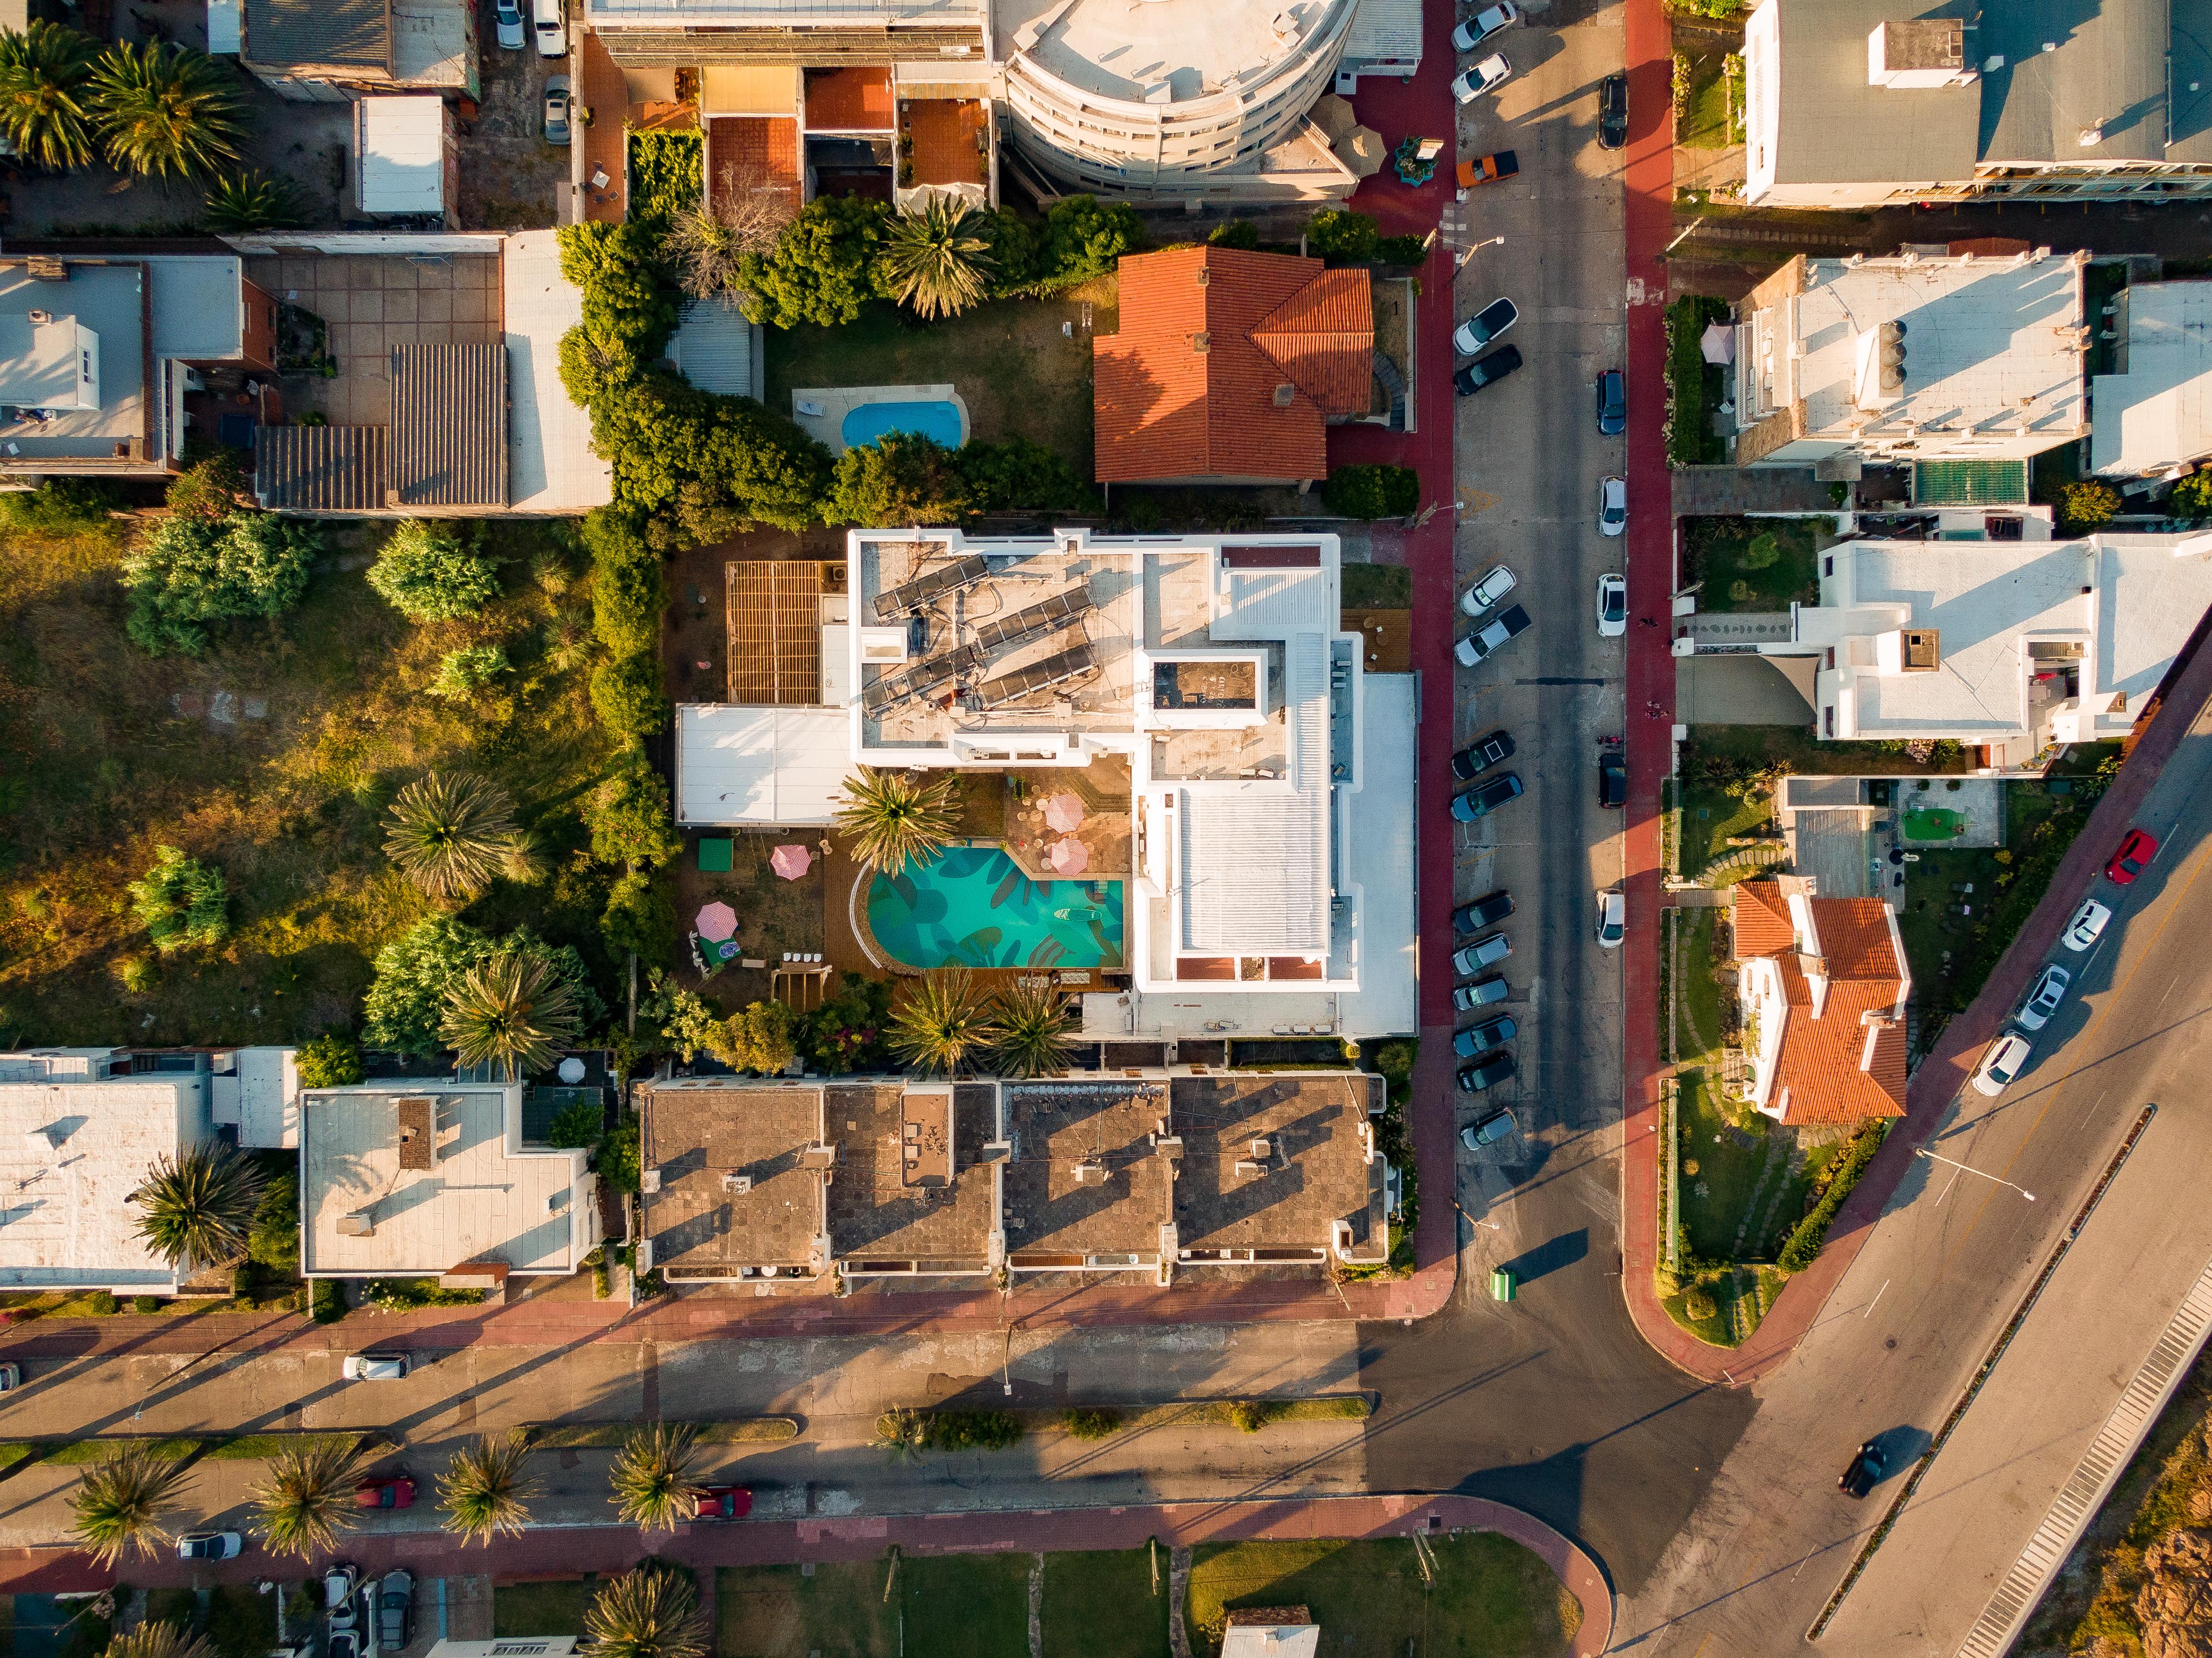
column 717, row 922
column 1064, row 812
column 1068, row 857
column 791, row 861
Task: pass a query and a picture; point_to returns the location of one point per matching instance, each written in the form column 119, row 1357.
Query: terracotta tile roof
column 1760, row 918
column 1167, row 409
column 943, row 136
column 755, row 152
column 857, row 99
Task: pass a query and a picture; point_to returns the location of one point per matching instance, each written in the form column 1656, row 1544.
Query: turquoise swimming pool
column 936, row 420
column 973, row 906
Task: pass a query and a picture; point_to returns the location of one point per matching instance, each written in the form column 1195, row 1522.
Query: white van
column 552, row 28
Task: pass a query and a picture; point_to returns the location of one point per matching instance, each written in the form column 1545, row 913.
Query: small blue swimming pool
column 936, row 420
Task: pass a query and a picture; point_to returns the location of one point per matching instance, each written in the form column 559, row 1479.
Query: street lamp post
column 1922, row 1151
column 1466, row 253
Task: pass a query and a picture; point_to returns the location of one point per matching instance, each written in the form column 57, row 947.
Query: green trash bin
column 1504, row 1286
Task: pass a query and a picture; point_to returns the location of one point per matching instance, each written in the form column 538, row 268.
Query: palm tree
column 450, row 834
column 157, row 1641
column 482, row 1489
column 164, row 109
column 937, row 257
column 44, row 104
column 1032, row 1025
column 939, row 1020
column 197, row 1206
column 121, row 1501
column 253, row 201
column 649, row 1611
column 307, row 1498
column 652, row 1477
column 899, row 1431
column 510, row 1010
column 897, row 818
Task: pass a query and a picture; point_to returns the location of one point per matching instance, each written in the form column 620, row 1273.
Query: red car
column 397, row 1491
column 725, row 1503
column 2136, row 850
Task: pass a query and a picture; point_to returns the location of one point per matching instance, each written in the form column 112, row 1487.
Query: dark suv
column 1479, row 756
column 1498, row 1068
column 1612, row 112
column 1611, row 403
column 1486, row 371
column 1478, row 1040
column 1865, row 1472
column 1611, row 783
column 1486, row 911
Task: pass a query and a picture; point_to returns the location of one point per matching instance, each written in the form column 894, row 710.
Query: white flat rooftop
column 481, row 1198
column 2160, row 412
column 550, row 461
column 1986, row 342
column 739, row 767
column 70, row 1154
column 1127, row 49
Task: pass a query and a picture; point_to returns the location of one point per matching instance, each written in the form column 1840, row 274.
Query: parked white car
column 2086, row 926
column 1491, row 20
column 1488, row 591
column 1612, row 505
column 375, row 1366
column 2002, row 1063
column 507, row 23
column 2043, row 1001
column 549, row 23
column 1611, row 918
column 1611, row 605
column 1487, row 76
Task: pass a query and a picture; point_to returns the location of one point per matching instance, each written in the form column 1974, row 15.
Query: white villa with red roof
column 1824, row 984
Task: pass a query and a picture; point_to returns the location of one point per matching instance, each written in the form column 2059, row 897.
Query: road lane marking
column 2118, row 994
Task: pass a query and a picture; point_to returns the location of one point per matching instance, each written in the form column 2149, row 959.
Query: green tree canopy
column 405, row 1007
column 1021, row 476
column 331, row 1060
column 760, row 1038
column 937, row 257
column 165, row 109
column 629, row 819
column 189, row 574
column 640, row 917
column 1340, row 236
column 182, row 901
column 1085, row 237
column 626, row 695
column 901, row 477
column 824, row 268
column 435, row 571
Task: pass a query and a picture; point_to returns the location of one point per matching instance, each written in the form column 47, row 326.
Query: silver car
column 556, row 109
column 2043, row 1001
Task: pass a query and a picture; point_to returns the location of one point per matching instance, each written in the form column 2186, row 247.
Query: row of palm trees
column 942, row 1024
column 306, row 1500
column 153, row 109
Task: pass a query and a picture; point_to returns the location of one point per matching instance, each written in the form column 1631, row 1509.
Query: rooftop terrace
column 1085, row 1179
column 731, row 1183
column 911, row 1185
column 1273, row 1163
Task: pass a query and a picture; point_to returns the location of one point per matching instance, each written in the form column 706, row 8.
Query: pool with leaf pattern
column 973, row 906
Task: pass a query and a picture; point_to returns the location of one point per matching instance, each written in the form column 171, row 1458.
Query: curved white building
column 1162, row 97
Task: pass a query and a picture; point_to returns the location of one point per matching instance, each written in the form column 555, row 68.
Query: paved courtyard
column 372, row 304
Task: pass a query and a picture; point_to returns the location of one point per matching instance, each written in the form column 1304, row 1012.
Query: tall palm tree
column 157, row 1641
column 653, row 1476
column 307, row 1498
column 510, row 1010
column 197, row 1207
column 649, row 1611
column 121, row 1501
column 937, row 257
column 1032, row 1030
column 939, row 1021
column 164, row 109
column 897, row 818
column 46, row 75
column 452, row 833
column 482, row 1489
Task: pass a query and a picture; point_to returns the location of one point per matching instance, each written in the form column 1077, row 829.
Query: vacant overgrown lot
column 273, row 758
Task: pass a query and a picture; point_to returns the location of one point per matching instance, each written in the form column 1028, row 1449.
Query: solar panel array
column 910, row 596
column 1038, row 675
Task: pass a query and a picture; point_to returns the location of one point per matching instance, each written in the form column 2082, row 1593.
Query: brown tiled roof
column 942, row 135
column 856, row 99
column 1848, row 1064
column 1760, row 918
column 755, row 152
column 1187, row 389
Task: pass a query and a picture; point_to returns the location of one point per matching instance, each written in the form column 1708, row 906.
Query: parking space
column 511, row 178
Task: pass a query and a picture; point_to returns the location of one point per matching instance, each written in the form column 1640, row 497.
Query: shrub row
column 1812, row 1231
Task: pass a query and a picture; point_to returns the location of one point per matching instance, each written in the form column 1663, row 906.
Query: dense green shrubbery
column 405, row 1008
column 628, row 816
column 190, row 573
column 182, row 901
column 274, row 1241
column 2191, row 497
column 327, row 1301
column 331, row 1060
column 1372, row 492
column 1090, row 1423
column 906, row 478
column 1234, row 232
column 1805, row 1242
column 435, row 571
column 666, row 174
column 578, row 1123
column 405, row 1295
column 2087, row 505
column 59, row 506
column 1691, row 440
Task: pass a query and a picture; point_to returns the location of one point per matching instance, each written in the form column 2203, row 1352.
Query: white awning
column 740, row 767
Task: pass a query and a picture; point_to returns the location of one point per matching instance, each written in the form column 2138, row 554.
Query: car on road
column 1494, row 749
column 1486, row 911
column 1492, row 1128
column 394, row 1491
column 1491, row 20
column 1612, row 112
column 1478, row 1040
column 1486, row 371
column 395, row 1610
column 556, row 109
column 1484, row 326
column 1611, row 783
column 1611, row 918
column 2086, row 926
column 725, row 1503
column 1612, row 403
column 1487, row 591
column 1486, row 951
column 2136, row 850
column 1486, row 797
column 1483, row 992
column 549, row 23
column 1498, row 1068
column 1487, row 76
column 1612, row 505
column 343, row 1643
column 211, row 1545
column 1509, row 623
column 338, row 1585
column 375, row 1366
column 2001, row 1063
column 11, row 1377
column 1868, row 1465
column 506, row 23
column 2043, row 1001
column 1611, row 605
column 1489, row 169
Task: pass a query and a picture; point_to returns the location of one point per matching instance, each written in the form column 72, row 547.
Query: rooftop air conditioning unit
column 1262, row 1149
column 1245, row 1167
column 737, row 1184
column 358, row 1224
column 648, row 1180
column 1090, row 1172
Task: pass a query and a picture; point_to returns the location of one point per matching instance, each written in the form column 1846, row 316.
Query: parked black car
column 1479, row 756
column 1611, row 403
column 1865, row 1471
column 1498, row 1068
column 1486, row 371
column 1611, row 783
column 1486, row 911
column 1485, row 798
column 1612, row 112
column 1478, row 1040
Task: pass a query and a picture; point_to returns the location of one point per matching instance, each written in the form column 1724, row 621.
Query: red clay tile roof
column 857, row 99
column 1760, row 918
column 1167, row 409
column 1848, row 1064
column 755, row 152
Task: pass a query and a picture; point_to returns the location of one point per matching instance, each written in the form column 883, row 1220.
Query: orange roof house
column 1229, row 365
column 1824, row 985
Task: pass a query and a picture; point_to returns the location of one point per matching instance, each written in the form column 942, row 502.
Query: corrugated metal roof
column 449, row 425
column 718, row 350
column 1384, row 31
column 319, row 34
column 320, row 468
